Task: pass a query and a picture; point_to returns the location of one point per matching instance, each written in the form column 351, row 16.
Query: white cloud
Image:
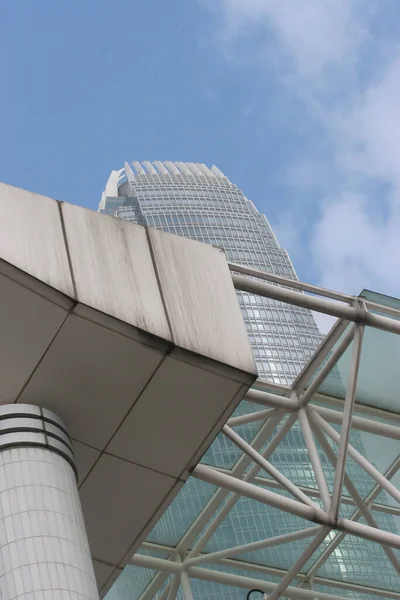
column 350, row 243
column 356, row 240
column 331, row 56
column 372, row 129
column 308, row 37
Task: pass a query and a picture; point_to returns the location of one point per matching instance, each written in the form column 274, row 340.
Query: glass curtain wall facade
column 194, row 201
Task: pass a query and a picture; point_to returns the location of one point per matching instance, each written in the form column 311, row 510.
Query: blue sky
column 297, row 102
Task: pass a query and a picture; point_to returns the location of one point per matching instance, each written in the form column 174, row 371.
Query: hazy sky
column 297, row 102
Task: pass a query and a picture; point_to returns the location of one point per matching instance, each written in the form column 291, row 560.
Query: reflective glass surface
column 182, row 512
column 353, row 561
column 378, row 376
column 283, row 337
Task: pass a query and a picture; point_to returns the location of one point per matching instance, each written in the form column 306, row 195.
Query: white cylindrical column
column 44, row 551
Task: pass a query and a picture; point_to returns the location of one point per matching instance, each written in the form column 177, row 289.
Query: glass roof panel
column 377, row 384
column 205, row 589
column 384, row 498
column 337, row 591
column 250, row 521
column 223, row 452
column 182, row 512
column 382, row 299
column 253, row 571
column 134, row 580
column 291, row 458
column 351, row 561
column 131, row 583
column 214, row 591
column 379, row 451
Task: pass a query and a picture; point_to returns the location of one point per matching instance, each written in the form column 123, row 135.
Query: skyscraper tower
column 198, row 202
column 193, row 201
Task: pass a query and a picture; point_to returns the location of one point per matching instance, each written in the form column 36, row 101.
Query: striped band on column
column 26, row 425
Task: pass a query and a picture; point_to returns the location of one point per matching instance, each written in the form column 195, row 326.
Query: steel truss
column 318, row 506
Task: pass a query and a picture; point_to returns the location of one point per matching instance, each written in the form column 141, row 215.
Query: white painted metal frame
column 318, row 506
